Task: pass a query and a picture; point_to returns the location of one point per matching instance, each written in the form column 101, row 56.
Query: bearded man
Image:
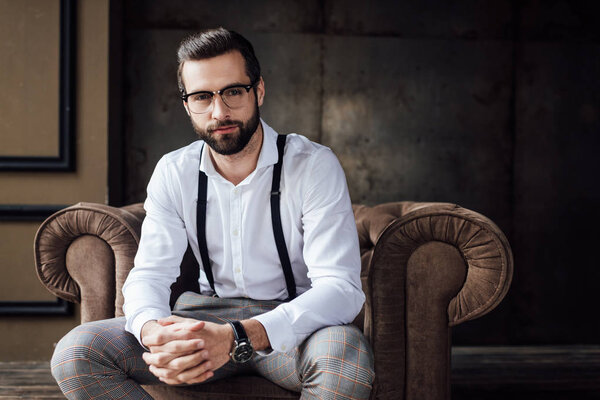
column 269, row 219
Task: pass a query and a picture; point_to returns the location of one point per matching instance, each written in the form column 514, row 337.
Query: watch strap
column 238, row 330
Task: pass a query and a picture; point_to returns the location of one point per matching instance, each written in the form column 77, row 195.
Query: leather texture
column 425, row 268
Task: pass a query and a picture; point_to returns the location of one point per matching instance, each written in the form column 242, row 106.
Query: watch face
column 242, row 352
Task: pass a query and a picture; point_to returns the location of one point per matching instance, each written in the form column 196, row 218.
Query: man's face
column 226, row 130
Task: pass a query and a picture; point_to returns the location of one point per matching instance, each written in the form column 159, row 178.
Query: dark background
column 493, row 105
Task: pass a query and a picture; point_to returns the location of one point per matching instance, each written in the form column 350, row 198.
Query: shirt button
column 283, row 347
column 238, row 270
column 235, row 232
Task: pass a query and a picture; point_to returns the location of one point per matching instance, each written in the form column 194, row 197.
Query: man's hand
column 184, row 350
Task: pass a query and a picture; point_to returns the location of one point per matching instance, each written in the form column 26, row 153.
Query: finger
column 164, row 373
column 179, row 346
column 189, row 324
column 182, row 326
column 164, row 336
column 157, row 359
column 194, row 373
column 188, row 361
column 201, row 378
column 174, row 319
column 196, row 326
column 170, row 381
column 163, row 359
column 170, row 320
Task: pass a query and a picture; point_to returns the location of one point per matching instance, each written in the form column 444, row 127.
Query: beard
column 230, row 143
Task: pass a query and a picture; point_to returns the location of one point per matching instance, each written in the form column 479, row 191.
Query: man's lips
column 222, row 130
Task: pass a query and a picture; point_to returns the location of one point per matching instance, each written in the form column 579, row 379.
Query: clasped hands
column 185, row 350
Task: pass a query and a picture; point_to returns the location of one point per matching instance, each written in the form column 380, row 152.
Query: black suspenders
column 276, row 221
column 275, row 218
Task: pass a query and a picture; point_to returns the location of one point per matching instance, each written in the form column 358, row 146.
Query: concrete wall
column 32, row 338
column 491, row 105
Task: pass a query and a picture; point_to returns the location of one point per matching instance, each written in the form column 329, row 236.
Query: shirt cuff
column 135, row 326
column 279, row 330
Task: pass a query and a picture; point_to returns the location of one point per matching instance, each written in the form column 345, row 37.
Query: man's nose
column 220, row 110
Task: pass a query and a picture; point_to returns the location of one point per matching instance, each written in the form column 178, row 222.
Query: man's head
column 215, row 42
column 213, row 61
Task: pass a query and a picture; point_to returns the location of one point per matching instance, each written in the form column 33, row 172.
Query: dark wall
column 492, row 105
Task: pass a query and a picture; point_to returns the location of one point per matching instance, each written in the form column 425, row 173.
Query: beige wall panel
column 19, row 280
column 88, row 182
column 32, row 338
column 29, row 38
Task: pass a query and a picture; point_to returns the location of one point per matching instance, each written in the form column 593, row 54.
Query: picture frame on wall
column 38, row 109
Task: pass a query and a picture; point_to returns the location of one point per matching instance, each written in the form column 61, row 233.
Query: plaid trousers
column 100, row 360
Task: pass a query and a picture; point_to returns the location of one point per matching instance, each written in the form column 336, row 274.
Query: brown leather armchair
column 425, row 268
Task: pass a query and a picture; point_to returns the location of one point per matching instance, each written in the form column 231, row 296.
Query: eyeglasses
column 234, row 96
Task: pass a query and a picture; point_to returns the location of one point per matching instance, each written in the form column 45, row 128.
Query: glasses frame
column 212, row 94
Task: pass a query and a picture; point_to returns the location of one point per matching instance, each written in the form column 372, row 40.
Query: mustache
column 219, row 124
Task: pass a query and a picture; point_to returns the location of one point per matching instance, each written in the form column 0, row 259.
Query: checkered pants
column 100, row 360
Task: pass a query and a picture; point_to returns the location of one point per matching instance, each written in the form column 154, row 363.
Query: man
column 269, row 220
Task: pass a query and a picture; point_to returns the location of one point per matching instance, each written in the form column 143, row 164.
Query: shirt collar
column 268, row 152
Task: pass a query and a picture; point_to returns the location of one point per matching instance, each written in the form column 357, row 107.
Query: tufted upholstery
column 425, row 268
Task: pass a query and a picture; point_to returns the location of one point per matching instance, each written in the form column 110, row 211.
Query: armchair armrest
column 84, row 253
column 426, row 267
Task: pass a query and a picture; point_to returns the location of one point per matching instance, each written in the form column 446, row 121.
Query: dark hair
column 215, row 42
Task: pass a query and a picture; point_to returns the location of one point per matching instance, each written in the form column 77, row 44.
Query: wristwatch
column 242, row 350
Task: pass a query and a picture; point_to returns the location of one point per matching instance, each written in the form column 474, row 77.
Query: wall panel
column 29, row 337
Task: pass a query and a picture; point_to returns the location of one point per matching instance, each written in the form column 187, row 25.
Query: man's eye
column 233, row 92
column 200, row 97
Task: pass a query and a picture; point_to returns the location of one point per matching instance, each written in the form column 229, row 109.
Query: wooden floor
column 526, row 373
column 482, row 373
column 27, row 380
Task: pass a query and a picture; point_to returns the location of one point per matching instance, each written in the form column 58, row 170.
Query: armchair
column 425, row 268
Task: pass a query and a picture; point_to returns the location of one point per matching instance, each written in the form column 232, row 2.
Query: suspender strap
column 276, row 218
column 201, row 225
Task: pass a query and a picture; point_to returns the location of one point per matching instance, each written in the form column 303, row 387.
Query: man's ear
column 186, row 108
column 260, row 91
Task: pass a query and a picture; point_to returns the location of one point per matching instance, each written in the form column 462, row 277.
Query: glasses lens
column 200, row 103
column 235, row 96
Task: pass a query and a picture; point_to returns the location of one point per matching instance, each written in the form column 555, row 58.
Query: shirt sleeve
column 157, row 263
column 332, row 255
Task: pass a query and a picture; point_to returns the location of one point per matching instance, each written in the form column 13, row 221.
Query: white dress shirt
column 318, row 226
